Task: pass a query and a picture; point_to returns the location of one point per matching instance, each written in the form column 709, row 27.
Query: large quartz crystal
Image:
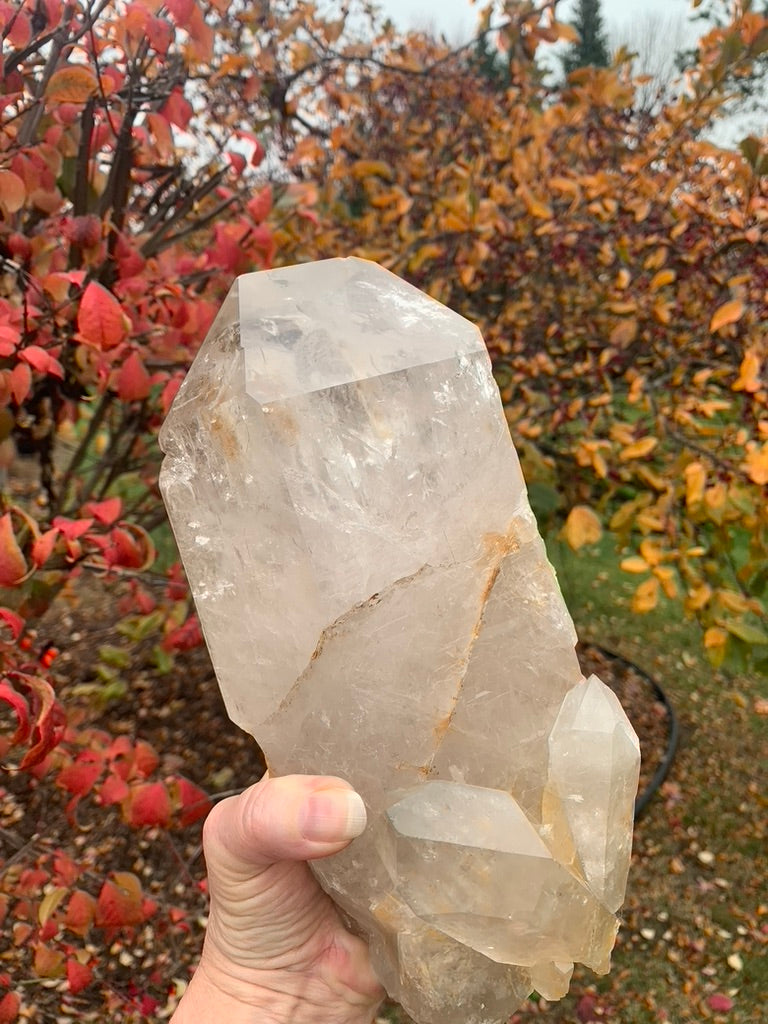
column 378, row 605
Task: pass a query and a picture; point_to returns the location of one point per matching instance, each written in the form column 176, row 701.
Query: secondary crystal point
column 378, row 605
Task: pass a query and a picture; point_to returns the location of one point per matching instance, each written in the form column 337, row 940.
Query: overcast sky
column 457, row 17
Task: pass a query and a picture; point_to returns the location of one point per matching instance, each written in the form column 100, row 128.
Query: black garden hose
column 644, row 798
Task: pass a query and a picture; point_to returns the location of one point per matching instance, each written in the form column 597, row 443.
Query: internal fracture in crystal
column 378, row 605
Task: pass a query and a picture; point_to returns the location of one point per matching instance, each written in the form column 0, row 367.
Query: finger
column 295, row 817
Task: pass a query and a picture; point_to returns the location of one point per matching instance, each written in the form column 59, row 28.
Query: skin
column 276, row 950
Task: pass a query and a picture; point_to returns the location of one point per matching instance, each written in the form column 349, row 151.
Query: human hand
column 276, row 950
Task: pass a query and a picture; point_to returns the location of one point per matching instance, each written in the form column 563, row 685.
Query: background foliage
column 149, row 152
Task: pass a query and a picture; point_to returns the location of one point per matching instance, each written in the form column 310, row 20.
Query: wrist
column 211, row 992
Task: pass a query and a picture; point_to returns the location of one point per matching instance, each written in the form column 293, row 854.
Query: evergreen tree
column 592, row 48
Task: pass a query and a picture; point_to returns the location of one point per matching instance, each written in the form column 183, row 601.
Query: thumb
column 294, row 817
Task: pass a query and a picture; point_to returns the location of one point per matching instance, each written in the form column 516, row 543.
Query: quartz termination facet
column 378, row 605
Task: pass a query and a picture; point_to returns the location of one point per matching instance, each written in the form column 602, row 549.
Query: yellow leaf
column 728, row 313
column 582, row 527
column 715, row 496
column 695, row 480
column 749, row 373
column 661, row 279
column 756, row 464
column 50, row 902
column 666, row 576
column 638, row 449
column 635, row 564
column 646, row 597
column 75, row 83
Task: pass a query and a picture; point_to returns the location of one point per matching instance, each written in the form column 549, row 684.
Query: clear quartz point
column 378, row 605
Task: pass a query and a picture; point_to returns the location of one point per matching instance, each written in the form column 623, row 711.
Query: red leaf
column 100, row 318
column 13, row 565
column 42, row 547
column 133, row 381
column 48, row 716
column 180, row 11
column 119, row 903
column 150, row 805
column 72, row 528
column 261, row 204
column 79, row 777
column 177, row 109
column 237, row 161
column 585, row 1010
column 14, row 624
column 113, row 790
column 79, row 976
column 169, row 393
column 195, row 803
column 81, row 910
column 146, row 759
column 66, row 870
column 105, row 512
column 9, row 1008
column 21, row 709
column 41, row 361
column 21, row 382
column 720, row 1003
column 185, row 637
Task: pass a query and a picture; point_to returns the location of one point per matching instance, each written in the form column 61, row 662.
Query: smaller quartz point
column 594, row 761
column 476, row 841
column 552, row 980
column 378, row 605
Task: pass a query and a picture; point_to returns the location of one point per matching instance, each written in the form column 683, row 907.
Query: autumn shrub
column 150, row 152
column 617, row 266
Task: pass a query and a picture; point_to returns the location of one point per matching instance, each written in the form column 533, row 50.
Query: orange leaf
column 80, row 912
column 21, row 380
column 695, row 480
column 582, row 527
column 729, row 313
column 634, row 564
column 638, row 449
column 48, row 962
column 13, row 565
column 73, row 84
column 749, row 373
column 13, row 192
column 756, row 464
column 624, row 333
column 662, row 278
column 100, row 319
